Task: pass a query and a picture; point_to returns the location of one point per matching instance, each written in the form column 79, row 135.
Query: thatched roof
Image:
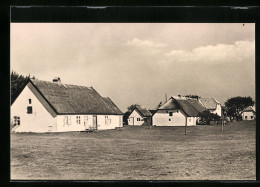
column 73, row 99
column 190, row 107
column 143, row 111
column 250, row 108
column 209, row 103
column 152, row 111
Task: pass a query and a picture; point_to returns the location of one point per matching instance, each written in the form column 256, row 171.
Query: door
column 95, row 122
column 131, row 121
column 86, row 122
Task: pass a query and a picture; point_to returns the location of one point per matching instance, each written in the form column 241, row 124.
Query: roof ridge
column 89, row 87
column 65, row 98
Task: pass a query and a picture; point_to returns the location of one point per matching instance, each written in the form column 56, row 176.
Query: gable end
column 42, row 99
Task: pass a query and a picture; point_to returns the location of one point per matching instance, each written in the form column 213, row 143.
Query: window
column 169, row 119
column 170, row 113
column 166, row 111
column 145, row 119
column 30, row 101
column 252, row 117
column 16, row 120
column 29, row 110
column 245, row 117
column 107, row 120
column 177, row 111
column 189, row 120
column 67, row 120
column 78, row 119
column 85, row 120
column 138, row 119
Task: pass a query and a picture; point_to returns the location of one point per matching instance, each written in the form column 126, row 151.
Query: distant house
column 178, row 111
column 249, row 113
column 211, row 105
column 140, row 116
column 45, row 106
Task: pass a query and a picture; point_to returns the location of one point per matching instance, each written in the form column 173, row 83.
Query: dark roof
column 112, row 104
column 143, row 111
column 127, row 113
column 73, row 99
column 152, row 111
column 190, row 107
column 209, row 103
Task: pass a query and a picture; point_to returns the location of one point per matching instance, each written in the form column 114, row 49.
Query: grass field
column 137, row 153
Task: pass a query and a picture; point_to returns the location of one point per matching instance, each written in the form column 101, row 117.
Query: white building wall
column 217, row 111
column 162, row 118
column 247, row 115
column 67, row 123
column 109, row 121
column 191, row 121
column 39, row 121
column 132, row 119
column 86, row 122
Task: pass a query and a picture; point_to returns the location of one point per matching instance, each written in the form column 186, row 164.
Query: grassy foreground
column 137, row 153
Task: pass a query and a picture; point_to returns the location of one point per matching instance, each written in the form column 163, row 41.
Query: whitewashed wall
column 248, row 114
column 161, row 118
column 132, row 119
column 86, row 122
column 191, row 121
column 39, row 121
column 111, row 122
column 72, row 125
column 217, row 111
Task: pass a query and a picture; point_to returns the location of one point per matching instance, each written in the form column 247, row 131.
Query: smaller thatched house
column 178, row 111
column 249, row 113
column 140, row 116
column 211, row 105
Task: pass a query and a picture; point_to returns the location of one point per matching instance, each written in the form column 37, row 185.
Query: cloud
column 220, row 53
column 144, row 43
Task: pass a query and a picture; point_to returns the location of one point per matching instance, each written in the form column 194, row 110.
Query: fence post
column 222, row 125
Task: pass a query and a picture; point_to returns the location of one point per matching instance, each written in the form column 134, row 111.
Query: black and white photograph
column 132, row 101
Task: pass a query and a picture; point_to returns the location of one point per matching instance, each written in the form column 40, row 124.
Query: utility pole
column 222, row 125
column 186, row 126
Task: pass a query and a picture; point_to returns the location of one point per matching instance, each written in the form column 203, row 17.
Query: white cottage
column 178, row 111
column 211, row 105
column 139, row 116
column 248, row 113
column 45, row 106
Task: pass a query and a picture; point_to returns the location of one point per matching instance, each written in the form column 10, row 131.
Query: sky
column 140, row 62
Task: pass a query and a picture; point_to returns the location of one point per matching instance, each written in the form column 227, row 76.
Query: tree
column 206, row 116
column 132, row 107
column 18, row 82
column 236, row 105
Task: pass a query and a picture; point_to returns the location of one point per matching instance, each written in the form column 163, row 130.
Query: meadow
column 137, row 153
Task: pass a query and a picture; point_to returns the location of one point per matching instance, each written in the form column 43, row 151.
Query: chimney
column 57, row 80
